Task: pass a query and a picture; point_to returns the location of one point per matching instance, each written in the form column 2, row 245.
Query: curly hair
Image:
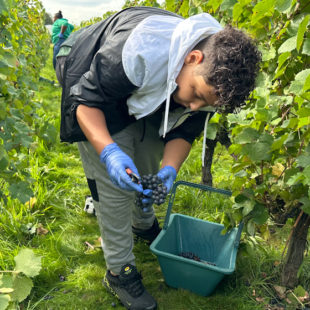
column 230, row 65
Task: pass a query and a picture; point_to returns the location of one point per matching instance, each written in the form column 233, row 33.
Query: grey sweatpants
column 115, row 208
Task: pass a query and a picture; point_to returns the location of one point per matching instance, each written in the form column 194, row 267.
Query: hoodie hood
column 154, row 71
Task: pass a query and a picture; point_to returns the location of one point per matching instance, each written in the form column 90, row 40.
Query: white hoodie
column 154, row 71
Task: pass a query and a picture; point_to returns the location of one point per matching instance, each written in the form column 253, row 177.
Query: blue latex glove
column 167, row 174
column 116, row 162
column 147, row 200
column 61, row 36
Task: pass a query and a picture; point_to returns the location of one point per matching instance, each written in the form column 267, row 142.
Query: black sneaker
column 149, row 234
column 128, row 288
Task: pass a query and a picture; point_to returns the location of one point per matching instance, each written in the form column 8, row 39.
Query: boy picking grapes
column 138, row 88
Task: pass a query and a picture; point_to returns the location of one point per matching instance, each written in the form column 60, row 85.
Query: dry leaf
column 259, row 299
column 41, row 230
column 280, row 290
column 304, row 298
column 277, row 169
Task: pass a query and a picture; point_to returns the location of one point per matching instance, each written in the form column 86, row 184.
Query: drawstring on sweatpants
column 203, row 153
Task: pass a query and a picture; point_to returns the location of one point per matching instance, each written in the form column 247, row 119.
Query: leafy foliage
column 16, row 285
column 23, row 52
column 271, row 135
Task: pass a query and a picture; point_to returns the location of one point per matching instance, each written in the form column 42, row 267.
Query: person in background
column 60, row 32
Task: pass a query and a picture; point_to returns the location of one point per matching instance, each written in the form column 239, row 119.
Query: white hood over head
column 154, row 70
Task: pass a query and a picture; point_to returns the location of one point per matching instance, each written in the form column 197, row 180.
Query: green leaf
column 282, row 58
column 306, row 204
column 301, row 81
column 248, row 206
column 212, row 130
column 4, row 158
column 268, row 54
column 306, row 47
column 257, row 151
column 282, row 5
column 259, row 214
column 247, row 135
column 227, row 7
column 288, row 45
column 21, row 191
column 184, row 9
column 261, row 9
column 299, row 291
column 301, row 31
column 303, row 112
column 4, row 301
column 277, row 144
column 28, row 263
column 193, row 11
column 237, row 11
column 6, row 280
column 251, row 227
column 22, row 288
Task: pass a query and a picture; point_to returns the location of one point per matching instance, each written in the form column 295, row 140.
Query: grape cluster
column 159, row 191
column 190, row 255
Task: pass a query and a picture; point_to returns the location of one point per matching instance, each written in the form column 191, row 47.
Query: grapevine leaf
column 184, row 9
column 6, row 280
column 251, row 227
column 283, row 5
column 237, row 11
column 257, row 151
column 306, row 47
column 2, row 6
column 21, row 191
column 28, row 263
column 212, row 130
column 4, row 301
column 277, row 144
column 261, row 9
column 288, row 45
column 22, row 287
column 268, row 54
column 248, row 206
column 282, row 58
column 4, row 158
column 227, row 6
column 247, row 135
column 301, row 31
column 303, row 112
column 306, row 204
column 259, row 214
column 301, row 81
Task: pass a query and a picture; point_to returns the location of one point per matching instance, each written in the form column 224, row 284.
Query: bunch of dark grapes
column 159, row 191
column 190, row 255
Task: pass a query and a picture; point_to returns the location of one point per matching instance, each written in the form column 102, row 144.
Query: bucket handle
column 203, row 187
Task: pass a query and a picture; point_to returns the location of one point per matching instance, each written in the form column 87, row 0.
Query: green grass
column 71, row 275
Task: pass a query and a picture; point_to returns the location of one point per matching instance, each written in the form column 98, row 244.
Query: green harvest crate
column 185, row 234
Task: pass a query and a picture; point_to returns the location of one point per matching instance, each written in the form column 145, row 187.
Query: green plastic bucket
column 186, row 234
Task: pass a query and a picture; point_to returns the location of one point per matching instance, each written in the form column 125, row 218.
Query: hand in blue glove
column 167, row 174
column 61, row 36
column 116, row 162
column 147, row 201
